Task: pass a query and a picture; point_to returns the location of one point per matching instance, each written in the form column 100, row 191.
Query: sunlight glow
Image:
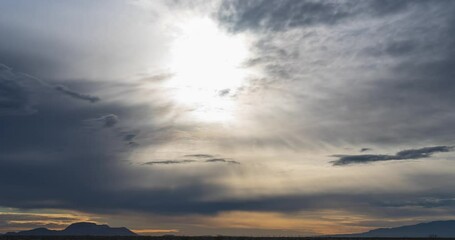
column 206, row 63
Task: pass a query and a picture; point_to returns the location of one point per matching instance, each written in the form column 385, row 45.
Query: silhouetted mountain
column 35, row 232
column 434, row 229
column 78, row 229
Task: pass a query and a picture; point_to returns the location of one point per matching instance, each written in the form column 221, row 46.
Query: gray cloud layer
column 110, row 120
column 266, row 15
column 77, row 95
column 13, row 95
column 365, row 73
column 409, row 154
column 16, row 87
column 375, row 72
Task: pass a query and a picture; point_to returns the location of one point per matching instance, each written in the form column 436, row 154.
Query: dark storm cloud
column 409, row 154
column 50, row 159
column 16, row 90
column 77, row 95
column 185, row 200
column 14, row 98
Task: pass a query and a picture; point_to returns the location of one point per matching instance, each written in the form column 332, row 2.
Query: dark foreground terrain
column 93, row 231
column 192, row 238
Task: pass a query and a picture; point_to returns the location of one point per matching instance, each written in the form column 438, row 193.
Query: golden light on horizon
column 206, row 63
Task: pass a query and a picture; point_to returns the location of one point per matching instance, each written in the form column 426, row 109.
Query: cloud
column 16, row 89
column 426, row 202
column 81, row 169
column 76, row 95
column 224, row 92
column 16, row 220
column 107, row 121
column 400, row 48
column 256, row 15
column 365, row 149
column 409, row 154
column 203, row 156
column 422, row 152
column 335, row 72
column 56, row 52
column 63, row 89
column 158, row 77
column 69, row 159
column 130, row 139
column 168, row 162
column 376, row 66
column 14, row 97
column 221, row 160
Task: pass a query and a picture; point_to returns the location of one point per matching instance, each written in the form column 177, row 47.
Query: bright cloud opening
column 207, row 67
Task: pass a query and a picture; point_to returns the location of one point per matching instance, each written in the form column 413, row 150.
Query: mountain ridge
column 445, row 229
column 77, row 229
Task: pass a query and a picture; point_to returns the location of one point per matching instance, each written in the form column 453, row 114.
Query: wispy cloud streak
column 409, row 154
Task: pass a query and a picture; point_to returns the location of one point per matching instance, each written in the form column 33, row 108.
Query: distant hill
column 444, row 229
column 35, row 232
column 77, row 229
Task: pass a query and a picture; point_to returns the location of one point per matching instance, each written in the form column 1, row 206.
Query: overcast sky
column 242, row 117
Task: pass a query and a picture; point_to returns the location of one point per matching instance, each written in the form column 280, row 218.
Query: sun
column 206, row 63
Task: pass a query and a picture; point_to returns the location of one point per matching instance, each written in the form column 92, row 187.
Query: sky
column 242, row 117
